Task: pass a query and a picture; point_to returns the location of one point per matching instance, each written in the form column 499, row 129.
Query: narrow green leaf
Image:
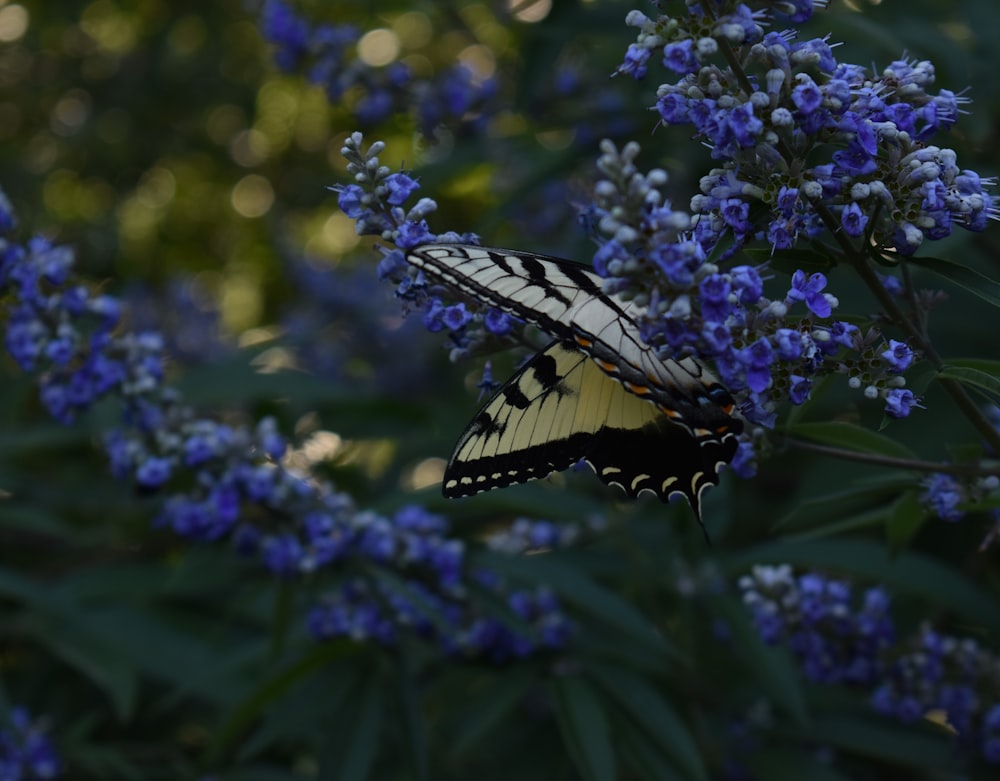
column 407, row 704
column 654, row 715
column 851, row 437
column 983, row 376
column 96, row 657
column 967, row 278
column 495, row 703
column 791, row 764
column 915, row 745
column 770, row 666
column 907, row 516
column 273, row 689
column 584, row 727
column 643, row 755
column 860, row 505
column 576, row 588
column 350, row 754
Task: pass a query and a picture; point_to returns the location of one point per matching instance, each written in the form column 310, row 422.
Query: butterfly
column 597, row 392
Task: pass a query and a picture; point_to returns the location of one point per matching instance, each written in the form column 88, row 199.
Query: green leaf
column 915, row 745
column 353, row 739
column 64, row 628
column 645, row 758
column 652, row 714
column 68, row 635
column 576, row 588
column 778, row 763
column 584, row 727
column 495, row 704
column 982, row 375
column 851, row 437
column 771, row 667
column 861, row 505
column 338, row 680
column 406, row 699
column 967, row 278
column 905, row 520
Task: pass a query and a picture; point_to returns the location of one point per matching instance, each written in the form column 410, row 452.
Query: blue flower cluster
column 815, row 617
column 456, row 98
column 26, row 753
column 956, row 677
column 229, row 481
column 836, row 642
column 65, row 334
column 361, row 610
column 764, row 351
column 763, row 101
column 528, row 536
column 376, row 203
column 432, row 601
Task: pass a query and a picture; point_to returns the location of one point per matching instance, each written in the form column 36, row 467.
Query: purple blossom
column 680, row 56
column 635, row 61
column 715, row 303
column 899, row 402
column 809, row 289
column 350, row 199
column 401, row 187
column 853, row 220
column 942, row 493
column 413, row 234
column 757, row 358
column 898, row 355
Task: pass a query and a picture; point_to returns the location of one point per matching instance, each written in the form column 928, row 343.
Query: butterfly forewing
column 567, row 301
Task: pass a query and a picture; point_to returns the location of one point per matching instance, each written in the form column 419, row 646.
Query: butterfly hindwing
column 561, row 408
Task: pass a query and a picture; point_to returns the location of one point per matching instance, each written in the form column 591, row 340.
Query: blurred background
column 187, row 154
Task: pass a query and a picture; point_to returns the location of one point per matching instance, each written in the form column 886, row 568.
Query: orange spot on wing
column 638, row 390
column 583, row 341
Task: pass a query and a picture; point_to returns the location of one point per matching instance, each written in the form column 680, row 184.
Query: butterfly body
column 597, row 393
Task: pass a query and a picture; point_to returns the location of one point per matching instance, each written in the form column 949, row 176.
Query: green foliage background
column 158, row 139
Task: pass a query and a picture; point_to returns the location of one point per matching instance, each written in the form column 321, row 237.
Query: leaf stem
column 962, row 470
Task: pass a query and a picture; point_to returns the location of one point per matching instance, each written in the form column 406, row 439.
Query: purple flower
column 153, row 473
column 747, row 284
column 680, row 57
column 853, row 219
column 400, row 187
column 715, row 303
column 807, row 97
column 809, row 289
column 799, row 389
column 455, row 317
column 635, row 61
column 413, row 234
column 757, row 358
column 498, row 322
column 350, row 200
column 942, row 493
column 900, row 401
column 898, row 355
